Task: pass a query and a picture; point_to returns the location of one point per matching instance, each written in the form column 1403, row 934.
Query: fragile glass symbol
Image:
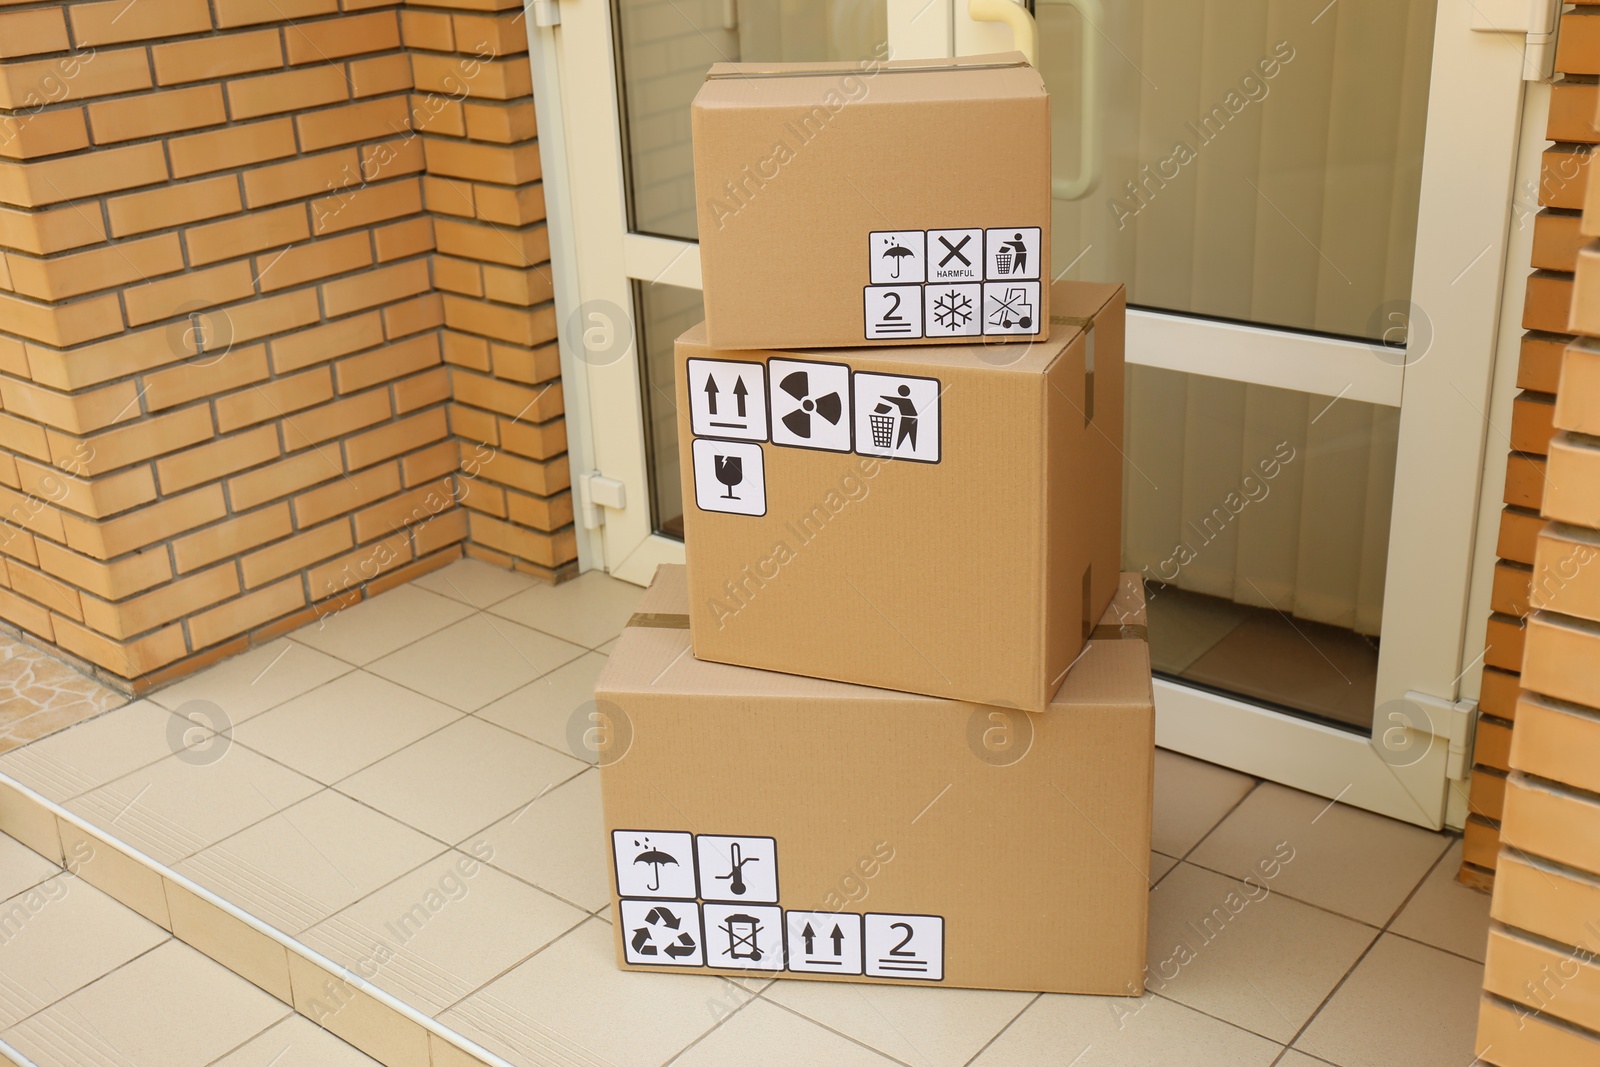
column 730, row 472
column 742, row 931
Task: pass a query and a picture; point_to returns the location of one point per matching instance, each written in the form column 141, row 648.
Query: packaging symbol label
column 824, row 942
column 730, row 477
column 1012, row 254
column 662, row 933
column 728, row 398
column 738, row 868
column 955, row 255
column 897, row 256
column 905, row 946
column 654, row 863
column 744, row 936
column 810, row 404
column 894, row 311
column 897, row 416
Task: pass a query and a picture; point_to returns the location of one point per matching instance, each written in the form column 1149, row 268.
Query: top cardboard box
column 880, row 203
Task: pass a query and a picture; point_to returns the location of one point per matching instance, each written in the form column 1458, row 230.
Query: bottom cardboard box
column 778, row 825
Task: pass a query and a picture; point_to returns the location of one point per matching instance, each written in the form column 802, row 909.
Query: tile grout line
column 1000, row 1032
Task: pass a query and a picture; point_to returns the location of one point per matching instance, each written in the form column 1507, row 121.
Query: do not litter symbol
column 897, row 417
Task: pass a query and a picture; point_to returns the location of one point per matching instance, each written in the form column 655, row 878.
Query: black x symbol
column 955, row 250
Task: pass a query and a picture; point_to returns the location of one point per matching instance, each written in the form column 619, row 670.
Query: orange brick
column 470, row 423
column 78, row 273
column 273, row 314
column 217, row 459
column 499, row 35
column 462, row 276
column 45, row 233
column 540, row 513
column 467, row 75
column 171, row 602
column 415, row 506
column 236, row 146
column 78, row 413
column 317, row 259
column 517, row 541
column 370, row 121
column 425, row 312
column 481, row 162
column 531, row 366
column 449, row 197
column 323, row 42
column 384, row 364
column 1578, row 45
column 501, row 123
column 279, row 479
column 430, row 463
column 38, row 586
column 1572, row 112
column 342, row 496
column 295, row 90
column 509, row 207
column 145, row 438
column 26, row 614
column 400, row 240
column 386, row 442
column 143, row 526
column 493, row 244
column 47, row 133
column 310, row 176
column 60, row 326
column 231, row 13
column 375, row 287
column 446, row 528
column 97, row 497
column 442, row 115
column 248, row 233
column 1532, row 423
column 274, row 400
column 322, row 343
column 246, row 612
column 131, row 574
column 1504, row 642
column 1519, row 532
column 526, row 327
column 296, row 553
column 464, row 350
column 52, row 181
column 393, row 158
column 377, row 77
column 421, row 390
column 428, row 30
column 174, row 205
column 364, row 205
column 229, row 538
column 151, row 115
column 355, row 569
column 535, row 441
column 523, row 288
column 117, row 21
column 31, row 33
column 204, row 60
column 1562, row 169
column 18, row 511
column 36, row 84
column 187, row 293
column 125, row 354
column 336, row 419
column 1525, row 477
column 23, row 437
column 1555, row 240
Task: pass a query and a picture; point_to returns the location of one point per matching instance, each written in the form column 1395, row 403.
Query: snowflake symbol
column 952, row 310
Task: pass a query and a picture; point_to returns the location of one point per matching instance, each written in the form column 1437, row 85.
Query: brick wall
column 1540, row 1006
column 274, row 333
column 1558, row 198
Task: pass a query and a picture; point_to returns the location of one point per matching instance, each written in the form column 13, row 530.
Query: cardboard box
column 963, row 551
column 878, row 203
column 947, row 843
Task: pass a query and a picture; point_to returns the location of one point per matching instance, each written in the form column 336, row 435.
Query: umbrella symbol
column 655, row 857
column 897, row 252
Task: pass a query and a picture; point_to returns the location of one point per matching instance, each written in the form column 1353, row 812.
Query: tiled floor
column 40, row 695
column 395, row 788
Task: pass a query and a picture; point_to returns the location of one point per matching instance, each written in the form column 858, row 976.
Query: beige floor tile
column 460, row 780
column 1446, row 914
column 296, row 1042
column 300, row 866
column 1191, row 798
column 376, row 627
column 557, row 843
column 1220, row 950
column 171, row 1007
column 262, row 678
column 21, row 867
column 442, row 931
column 475, row 582
column 1350, row 861
column 919, row 1026
column 172, row 809
column 1159, row 866
column 1121, row 1032
column 544, row 709
column 475, row 661
column 590, row 610
column 58, row 937
column 1405, row 1003
column 564, row 1006
column 338, row 728
column 1291, row 1058
column 605, row 649
column 773, row 1037
column 89, row 755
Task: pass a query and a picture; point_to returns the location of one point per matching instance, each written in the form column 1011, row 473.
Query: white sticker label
column 730, row 477
column 953, row 310
column 1011, row 307
column 893, row 311
column 653, row 863
column 905, row 946
column 1011, row 254
column 955, row 255
column 898, row 257
column 728, row 398
column 824, row 942
column 662, row 932
column 743, row 936
column 810, row 404
column 897, row 417
column 738, row 868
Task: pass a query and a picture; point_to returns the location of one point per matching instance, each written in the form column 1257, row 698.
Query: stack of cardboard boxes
column 893, row 722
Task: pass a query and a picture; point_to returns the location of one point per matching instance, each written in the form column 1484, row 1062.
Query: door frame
column 1470, row 158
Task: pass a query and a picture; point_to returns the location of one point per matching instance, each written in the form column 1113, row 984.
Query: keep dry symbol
column 896, row 253
column 655, row 857
column 662, row 918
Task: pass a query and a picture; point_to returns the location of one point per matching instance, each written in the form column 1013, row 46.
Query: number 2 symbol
column 900, row 949
column 893, row 315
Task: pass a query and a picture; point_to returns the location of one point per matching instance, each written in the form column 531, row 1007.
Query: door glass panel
column 664, row 49
column 1262, row 158
column 663, row 312
column 1259, row 518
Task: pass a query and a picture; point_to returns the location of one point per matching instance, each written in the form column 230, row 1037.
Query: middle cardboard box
column 943, row 521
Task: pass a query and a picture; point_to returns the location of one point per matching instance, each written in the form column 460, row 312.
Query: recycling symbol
column 662, row 924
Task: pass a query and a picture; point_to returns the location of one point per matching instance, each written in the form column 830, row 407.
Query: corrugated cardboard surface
column 1028, row 834
column 963, row 578
column 797, row 164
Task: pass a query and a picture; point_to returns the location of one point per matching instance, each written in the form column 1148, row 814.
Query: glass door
column 1307, row 202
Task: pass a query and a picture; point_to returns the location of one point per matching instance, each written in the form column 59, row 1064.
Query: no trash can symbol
column 742, row 931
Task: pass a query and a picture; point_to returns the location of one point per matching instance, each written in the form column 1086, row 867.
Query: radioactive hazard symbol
column 810, row 404
column 662, row 933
